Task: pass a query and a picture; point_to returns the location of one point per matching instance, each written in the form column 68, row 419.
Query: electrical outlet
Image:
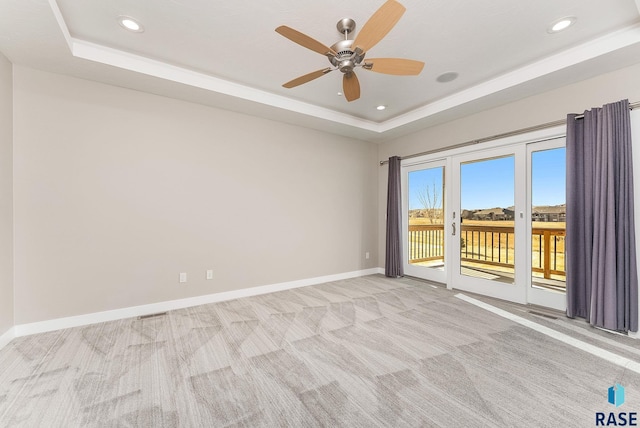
column 209, row 274
column 183, row 277
column 366, row 255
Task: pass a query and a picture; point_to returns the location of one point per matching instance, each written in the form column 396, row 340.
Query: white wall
column 117, row 191
column 6, row 195
column 542, row 108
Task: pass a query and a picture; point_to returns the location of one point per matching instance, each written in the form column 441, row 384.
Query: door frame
column 447, row 156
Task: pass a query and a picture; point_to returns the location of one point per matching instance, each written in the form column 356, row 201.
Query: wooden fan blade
column 351, row 86
column 307, row 78
column 304, row 40
column 397, row 66
column 380, row 23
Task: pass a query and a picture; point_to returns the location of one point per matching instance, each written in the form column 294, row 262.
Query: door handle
column 453, row 232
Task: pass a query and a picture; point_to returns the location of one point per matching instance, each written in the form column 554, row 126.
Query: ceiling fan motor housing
column 346, row 59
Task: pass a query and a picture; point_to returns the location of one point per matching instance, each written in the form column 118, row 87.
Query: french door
column 487, row 249
column 490, row 222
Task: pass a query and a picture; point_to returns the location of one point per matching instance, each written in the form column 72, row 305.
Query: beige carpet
column 359, row 353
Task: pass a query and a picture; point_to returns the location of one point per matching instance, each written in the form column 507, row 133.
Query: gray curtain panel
column 602, row 279
column 393, row 261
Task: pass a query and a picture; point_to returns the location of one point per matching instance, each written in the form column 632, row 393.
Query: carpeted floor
column 363, row 352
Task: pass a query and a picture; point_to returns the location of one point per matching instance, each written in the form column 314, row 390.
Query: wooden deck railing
column 490, row 245
column 549, row 262
column 426, row 243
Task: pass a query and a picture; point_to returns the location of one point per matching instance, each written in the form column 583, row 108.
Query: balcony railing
column 426, row 243
column 549, row 262
column 490, row 245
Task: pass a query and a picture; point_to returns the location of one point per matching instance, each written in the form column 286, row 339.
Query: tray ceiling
column 227, row 54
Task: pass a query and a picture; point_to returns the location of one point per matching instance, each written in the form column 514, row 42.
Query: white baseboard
column 7, row 337
column 135, row 311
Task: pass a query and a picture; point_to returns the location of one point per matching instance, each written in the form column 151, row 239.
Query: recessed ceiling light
column 381, row 107
column 561, row 24
column 339, row 94
column 130, row 24
column 447, row 77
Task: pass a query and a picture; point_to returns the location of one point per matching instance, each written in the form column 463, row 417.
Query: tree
column 431, row 199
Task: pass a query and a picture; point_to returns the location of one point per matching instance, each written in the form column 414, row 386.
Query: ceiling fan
column 346, row 54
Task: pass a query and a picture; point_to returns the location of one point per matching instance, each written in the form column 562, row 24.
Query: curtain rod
column 499, row 136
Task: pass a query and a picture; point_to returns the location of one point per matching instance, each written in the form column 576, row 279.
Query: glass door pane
column 487, row 214
column 423, row 211
column 548, row 223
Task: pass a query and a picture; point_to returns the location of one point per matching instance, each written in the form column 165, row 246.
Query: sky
column 490, row 183
column 419, row 181
column 549, row 182
column 487, row 184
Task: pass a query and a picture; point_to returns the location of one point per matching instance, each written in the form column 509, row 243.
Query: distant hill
column 435, row 213
column 538, row 213
column 550, row 209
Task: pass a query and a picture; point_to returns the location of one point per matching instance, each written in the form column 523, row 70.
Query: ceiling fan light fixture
column 130, row 24
column 346, row 55
column 561, row 24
